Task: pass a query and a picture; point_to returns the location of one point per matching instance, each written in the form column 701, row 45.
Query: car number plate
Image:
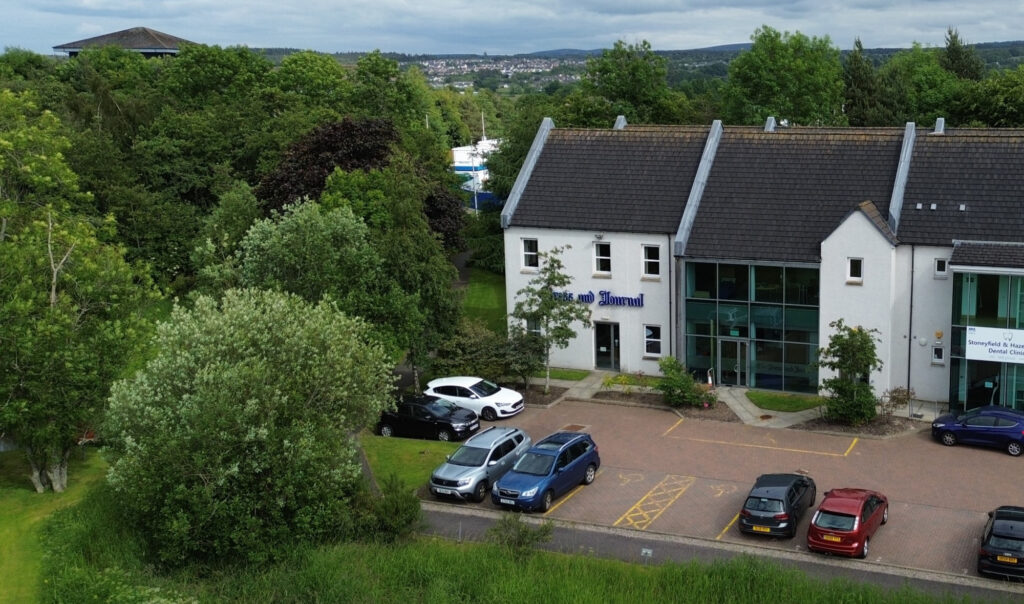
column 507, row 501
column 761, row 529
column 832, row 538
column 474, row 425
column 1006, row 559
column 443, row 491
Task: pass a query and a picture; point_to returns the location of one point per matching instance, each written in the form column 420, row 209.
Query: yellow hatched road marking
column 773, row 448
column 727, row 527
column 656, row 501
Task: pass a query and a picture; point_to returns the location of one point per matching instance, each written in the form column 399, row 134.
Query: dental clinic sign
column 992, row 344
column 603, row 298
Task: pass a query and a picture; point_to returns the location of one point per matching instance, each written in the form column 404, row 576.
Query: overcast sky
column 507, row 26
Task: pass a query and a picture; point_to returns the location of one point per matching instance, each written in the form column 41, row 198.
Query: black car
column 1002, row 544
column 989, row 426
column 425, row 416
column 776, row 504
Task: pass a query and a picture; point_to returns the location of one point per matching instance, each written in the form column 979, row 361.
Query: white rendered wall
column 626, row 279
column 931, row 314
column 868, row 303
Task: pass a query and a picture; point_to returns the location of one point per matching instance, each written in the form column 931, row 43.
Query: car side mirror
column 473, row 396
column 493, row 462
column 990, row 514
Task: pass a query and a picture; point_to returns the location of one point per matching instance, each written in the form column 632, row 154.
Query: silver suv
column 472, row 468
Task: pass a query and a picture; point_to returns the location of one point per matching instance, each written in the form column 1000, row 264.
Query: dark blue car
column 547, row 471
column 989, row 426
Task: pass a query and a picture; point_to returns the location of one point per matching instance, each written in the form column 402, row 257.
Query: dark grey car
column 776, row 504
column 472, row 468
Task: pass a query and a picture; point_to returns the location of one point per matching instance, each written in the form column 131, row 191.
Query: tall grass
column 485, row 299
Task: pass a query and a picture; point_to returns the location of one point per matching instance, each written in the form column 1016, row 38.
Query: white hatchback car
column 489, row 400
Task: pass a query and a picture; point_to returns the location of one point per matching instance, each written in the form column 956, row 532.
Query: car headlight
column 459, row 426
column 494, row 488
column 938, row 425
column 529, row 493
column 463, row 482
column 501, row 404
column 433, row 479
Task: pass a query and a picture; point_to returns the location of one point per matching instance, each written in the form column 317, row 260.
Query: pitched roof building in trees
column 149, row 42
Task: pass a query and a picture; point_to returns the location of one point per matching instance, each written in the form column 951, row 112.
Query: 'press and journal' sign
column 993, row 344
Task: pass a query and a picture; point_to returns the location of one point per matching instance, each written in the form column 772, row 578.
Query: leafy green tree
column 69, row 321
column 315, row 253
column 214, row 254
column 521, row 129
column 238, row 438
column 960, row 59
column 919, row 89
column 997, row 101
column 788, row 76
column 317, row 78
column 537, row 307
column 632, row 80
column 851, row 355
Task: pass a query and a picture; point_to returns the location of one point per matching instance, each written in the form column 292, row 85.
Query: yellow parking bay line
column 569, row 495
column 772, row 447
column 727, row 527
column 673, row 427
column 656, row 501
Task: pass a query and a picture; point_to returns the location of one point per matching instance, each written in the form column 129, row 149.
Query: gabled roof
column 871, row 212
column 142, row 39
column 965, row 184
column 775, row 196
column 634, row 180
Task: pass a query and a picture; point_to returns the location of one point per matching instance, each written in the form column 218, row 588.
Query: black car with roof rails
column 776, row 503
column 1002, row 543
column 426, row 416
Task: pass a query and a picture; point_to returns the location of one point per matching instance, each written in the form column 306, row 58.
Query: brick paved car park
column 687, row 477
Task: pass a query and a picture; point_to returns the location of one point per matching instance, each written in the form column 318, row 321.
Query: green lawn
column 558, row 373
column 412, row 459
column 21, row 552
column 784, row 402
column 485, row 299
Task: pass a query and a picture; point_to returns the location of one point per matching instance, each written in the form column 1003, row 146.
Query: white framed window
column 855, row 270
column 652, row 340
column 531, row 258
column 941, row 268
column 938, row 355
column 652, row 261
column 602, row 257
column 533, row 326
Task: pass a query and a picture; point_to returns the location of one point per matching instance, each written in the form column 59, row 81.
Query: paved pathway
column 733, row 396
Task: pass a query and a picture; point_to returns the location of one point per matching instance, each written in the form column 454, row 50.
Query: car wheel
column 948, row 439
column 1014, row 448
column 386, row 430
column 864, row 548
column 480, row 491
column 488, row 414
column 588, row 477
column 885, row 515
column 444, row 435
column 545, row 501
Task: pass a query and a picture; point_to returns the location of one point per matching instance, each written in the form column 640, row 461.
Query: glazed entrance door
column 606, row 346
column 732, row 362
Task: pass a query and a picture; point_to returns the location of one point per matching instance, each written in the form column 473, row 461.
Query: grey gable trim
column 700, row 180
column 900, row 185
column 524, row 173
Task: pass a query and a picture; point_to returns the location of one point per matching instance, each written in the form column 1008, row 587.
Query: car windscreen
column 834, row 521
column 485, row 388
column 763, row 504
column 534, row 463
column 442, row 408
column 1006, row 544
column 469, row 456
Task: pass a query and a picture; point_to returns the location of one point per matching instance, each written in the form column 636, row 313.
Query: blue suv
column 548, row 470
column 989, row 426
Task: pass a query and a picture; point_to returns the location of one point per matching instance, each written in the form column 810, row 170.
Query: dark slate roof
column 870, row 210
column 985, row 253
column 775, row 196
column 136, row 38
column 634, row 180
column 981, row 169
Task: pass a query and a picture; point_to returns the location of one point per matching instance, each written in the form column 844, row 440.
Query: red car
column 846, row 520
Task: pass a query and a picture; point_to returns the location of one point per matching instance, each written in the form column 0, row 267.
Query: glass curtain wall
column 773, row 309
column 985, row 301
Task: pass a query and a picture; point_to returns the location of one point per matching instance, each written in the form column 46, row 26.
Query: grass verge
column 558, row 373
column 21, row 550
column 784, row 402
column 485, row 299
column 411, row 459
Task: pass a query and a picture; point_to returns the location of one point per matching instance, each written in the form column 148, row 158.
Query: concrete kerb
column 765, row 551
